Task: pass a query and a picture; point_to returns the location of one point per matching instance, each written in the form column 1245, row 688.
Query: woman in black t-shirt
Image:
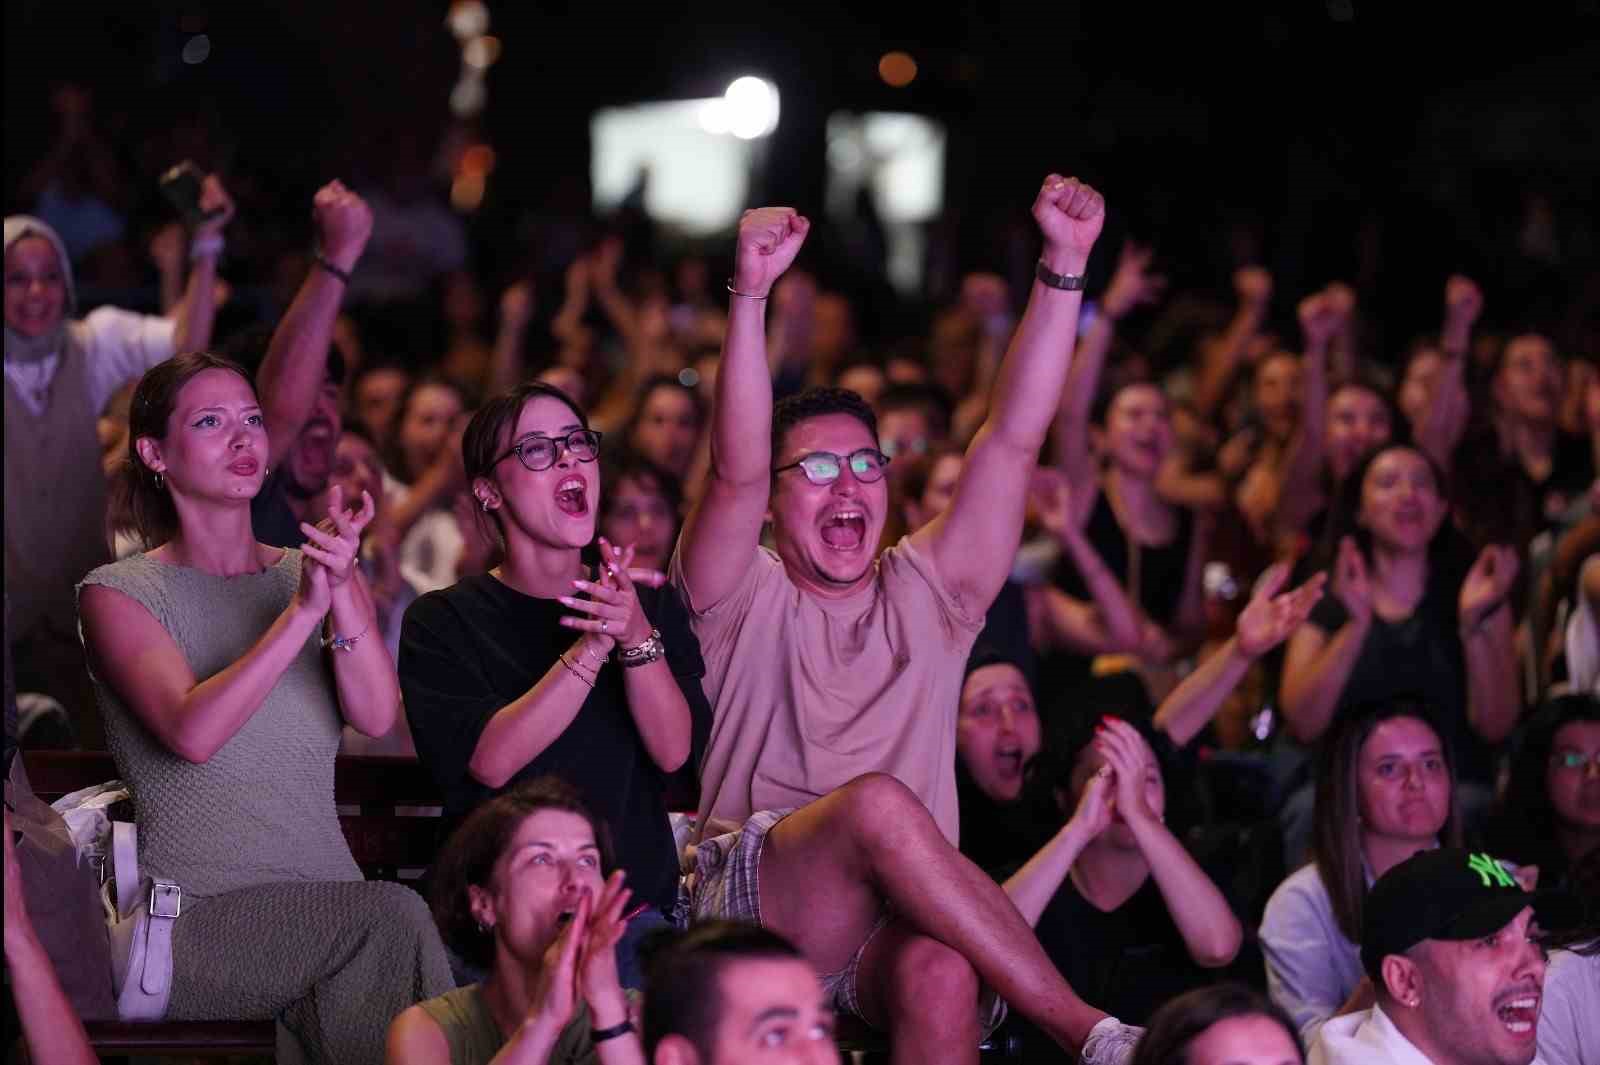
column 551, row 663
column 1407, row 616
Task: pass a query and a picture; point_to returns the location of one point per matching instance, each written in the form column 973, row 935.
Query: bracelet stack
column 577, row 670
column 648, row 651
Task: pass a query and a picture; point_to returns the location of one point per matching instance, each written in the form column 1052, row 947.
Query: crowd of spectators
column 1082, row 661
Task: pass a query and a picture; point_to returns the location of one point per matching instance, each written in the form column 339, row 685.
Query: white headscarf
column 31, row 349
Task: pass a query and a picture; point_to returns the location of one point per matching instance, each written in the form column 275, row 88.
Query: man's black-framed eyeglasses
column 823, row 467
column 539, row 452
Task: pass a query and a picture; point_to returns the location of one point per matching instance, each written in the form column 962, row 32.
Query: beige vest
column 55, row 498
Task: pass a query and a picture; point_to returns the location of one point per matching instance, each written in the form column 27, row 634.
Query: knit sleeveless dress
column 474, row 1038
column 277, row 921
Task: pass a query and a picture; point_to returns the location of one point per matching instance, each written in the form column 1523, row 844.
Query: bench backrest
column 371, row 791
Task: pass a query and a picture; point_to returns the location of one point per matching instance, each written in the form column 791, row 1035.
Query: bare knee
column 932, row 983
column 879, row 800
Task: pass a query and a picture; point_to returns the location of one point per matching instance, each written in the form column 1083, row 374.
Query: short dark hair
column 814, row 403
column 1180, row 1021
column 623, row 464
column 930, row 399
column 468, row 858
column 683, row 970
column 142, row 493
column 357, row 428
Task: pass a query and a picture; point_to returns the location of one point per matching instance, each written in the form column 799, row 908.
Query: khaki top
column 810, row 693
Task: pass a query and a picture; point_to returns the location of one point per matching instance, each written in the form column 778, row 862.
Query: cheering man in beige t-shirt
column 835, row 674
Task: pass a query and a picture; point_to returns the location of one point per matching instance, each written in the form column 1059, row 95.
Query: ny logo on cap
column 1492, row 872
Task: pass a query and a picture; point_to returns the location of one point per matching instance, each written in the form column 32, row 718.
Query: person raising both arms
column 835, row 672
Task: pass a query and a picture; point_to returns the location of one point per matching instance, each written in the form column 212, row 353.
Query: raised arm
column 138, row 660
column 1494, row 700
column 1210, row 931
column 363, row 672
column 1131, row 286
column 1299, row 486
column 1266, row 622
column 506, row 367
column 1109, row 622
column 723, row 531
column 1318, row 662
column 1222, row 359
column 656, row 702
column 1031, row 887
column 974, row 540
column 296, row 363
column 196, row 311
column 1450, row 405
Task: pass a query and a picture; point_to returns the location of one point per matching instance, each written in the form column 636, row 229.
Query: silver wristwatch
column 642, row 655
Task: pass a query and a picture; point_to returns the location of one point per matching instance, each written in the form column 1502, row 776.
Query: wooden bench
column 384, row 841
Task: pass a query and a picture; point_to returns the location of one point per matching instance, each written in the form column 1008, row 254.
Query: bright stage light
column 752, row 108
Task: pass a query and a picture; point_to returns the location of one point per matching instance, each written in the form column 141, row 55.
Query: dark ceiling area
column 1294, row 125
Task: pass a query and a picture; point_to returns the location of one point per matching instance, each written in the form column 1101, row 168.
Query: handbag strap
column 125, row 864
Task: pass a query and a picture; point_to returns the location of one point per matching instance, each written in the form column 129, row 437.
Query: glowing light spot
column 897, row 69
column 752, row 106
column 196, row 49
column 481, row 52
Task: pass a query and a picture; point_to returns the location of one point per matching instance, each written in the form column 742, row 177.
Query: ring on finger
column 604, row 623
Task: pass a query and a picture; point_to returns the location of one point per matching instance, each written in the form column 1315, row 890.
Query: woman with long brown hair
column 1385, row 789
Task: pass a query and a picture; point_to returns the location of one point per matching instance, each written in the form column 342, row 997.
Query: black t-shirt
column 1161, row 570
column 1420, row 655
column 1005, row 629
column 1126, row 962
column 468, row 650
column 1499, row 499
column 270, row 515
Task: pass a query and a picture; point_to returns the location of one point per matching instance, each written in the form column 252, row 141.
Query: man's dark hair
column 931, row 400
column 814, row 403
column 683, row 973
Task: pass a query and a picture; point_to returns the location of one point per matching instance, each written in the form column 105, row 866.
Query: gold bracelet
column 574, row 670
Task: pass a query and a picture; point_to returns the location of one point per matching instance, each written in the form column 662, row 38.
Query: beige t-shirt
column 810, row 693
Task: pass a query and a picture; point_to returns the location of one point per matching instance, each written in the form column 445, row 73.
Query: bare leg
column 923, row 993
column 825, row 868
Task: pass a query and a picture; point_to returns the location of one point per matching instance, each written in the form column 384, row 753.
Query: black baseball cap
column 1447, row 893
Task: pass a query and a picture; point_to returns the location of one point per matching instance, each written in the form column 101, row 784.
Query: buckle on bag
column 165, row 898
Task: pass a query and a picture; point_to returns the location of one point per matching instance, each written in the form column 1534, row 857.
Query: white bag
column 139, row 911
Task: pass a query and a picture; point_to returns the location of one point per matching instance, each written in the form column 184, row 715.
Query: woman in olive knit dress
column 226, row 670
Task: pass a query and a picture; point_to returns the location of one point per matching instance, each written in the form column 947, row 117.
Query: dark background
column 1324, row 140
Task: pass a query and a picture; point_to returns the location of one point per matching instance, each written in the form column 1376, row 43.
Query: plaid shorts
column 724, row 882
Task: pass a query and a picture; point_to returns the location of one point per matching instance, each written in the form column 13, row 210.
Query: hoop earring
column 161, row 481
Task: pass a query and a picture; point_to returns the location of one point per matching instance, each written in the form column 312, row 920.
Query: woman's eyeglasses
column 824, row 467
column 539, row 452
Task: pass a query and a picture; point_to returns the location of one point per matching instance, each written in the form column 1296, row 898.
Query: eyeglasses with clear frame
column 867, row 464
column 537, row 452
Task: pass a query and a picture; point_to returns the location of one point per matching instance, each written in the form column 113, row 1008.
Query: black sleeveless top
column 1160, row 573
